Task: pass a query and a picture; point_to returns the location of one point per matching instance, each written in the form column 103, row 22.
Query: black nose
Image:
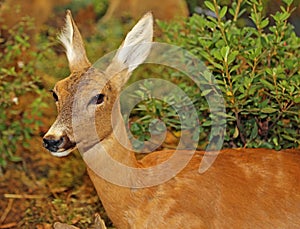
column 51, row 144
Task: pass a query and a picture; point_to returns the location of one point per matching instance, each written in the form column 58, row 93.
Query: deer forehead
column 88, row 84
column 68, row 85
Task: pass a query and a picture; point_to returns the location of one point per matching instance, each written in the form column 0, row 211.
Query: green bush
column 18, row 80
column 99, row 7
column 256, row 67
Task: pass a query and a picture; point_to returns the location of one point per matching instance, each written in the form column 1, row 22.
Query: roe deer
column 244, row 188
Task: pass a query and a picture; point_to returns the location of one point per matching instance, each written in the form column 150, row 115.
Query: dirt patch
column 43, row 189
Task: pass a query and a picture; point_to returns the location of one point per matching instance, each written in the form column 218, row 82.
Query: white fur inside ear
column 137, row 44
column 66, row 37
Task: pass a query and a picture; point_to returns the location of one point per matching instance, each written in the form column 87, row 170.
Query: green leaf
column 209, row 5
column 254, row 131
column 206, row 123
column 267, row 84
column 231, row 11
column 276, row 17
column 269, row 71
column 264, row 23
column 281, row 16
column 216, row 53
column 216, row 65
column 268, row 110
column 275, row 141
column 265, row 145
column 235, row 67
column 232, row 56
column 223, row 12
column 285, row 16
column 287, row 137
column 296, row 99
column 236, row 132
column 206, row 92
column 15, row 158
column 225, row 52
column 3, row 162
column 288, row 2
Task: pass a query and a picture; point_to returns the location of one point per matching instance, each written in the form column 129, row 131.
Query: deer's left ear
column 72, row 41
column 134, row 49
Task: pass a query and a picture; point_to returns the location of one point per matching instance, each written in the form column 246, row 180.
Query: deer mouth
column 65, row 148
column 59, row 148
column 62, row 152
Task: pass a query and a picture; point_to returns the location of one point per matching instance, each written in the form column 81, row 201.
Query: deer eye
column 54, row 96
column 98, row 99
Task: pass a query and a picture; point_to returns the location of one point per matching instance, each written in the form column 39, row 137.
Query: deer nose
column 51, row 143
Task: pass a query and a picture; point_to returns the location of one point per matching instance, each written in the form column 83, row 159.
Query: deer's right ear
column 72, row 41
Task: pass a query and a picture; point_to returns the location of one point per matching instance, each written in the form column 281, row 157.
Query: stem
column 238, row 7
column 239, row 126
column 279, row 116
column 285, row 23
column 220, row 22
column 257, row 20
column 252, row 74
column 230, row 82
column 276, row 90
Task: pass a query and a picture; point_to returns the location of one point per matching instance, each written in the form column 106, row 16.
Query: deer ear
column 72, row 41
column 134, row 49
column 136, row 46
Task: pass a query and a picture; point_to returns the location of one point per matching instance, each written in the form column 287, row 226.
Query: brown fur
column 244, row 188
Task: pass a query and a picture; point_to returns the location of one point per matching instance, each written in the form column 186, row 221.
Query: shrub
column 99, row 7
column 256, row 67
column 18, row 80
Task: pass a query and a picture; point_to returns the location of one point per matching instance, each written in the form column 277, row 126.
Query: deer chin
column 63, row 152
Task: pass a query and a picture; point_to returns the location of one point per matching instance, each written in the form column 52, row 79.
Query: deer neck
column 117, row 144
column 119, row 152
column 113, row 197
column 115, row 147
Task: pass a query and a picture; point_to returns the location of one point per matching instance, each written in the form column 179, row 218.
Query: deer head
column 60, row 140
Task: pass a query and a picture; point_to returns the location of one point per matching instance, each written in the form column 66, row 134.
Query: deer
column 243, row 188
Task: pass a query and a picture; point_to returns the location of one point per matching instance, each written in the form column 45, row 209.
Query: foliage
column 18, row 82
column 256, row 67
column 157, row 108
column 99, row 7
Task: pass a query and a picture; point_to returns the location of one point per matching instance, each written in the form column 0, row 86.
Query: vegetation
column 18, row 81
column 256, row 66
column 255, row 63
